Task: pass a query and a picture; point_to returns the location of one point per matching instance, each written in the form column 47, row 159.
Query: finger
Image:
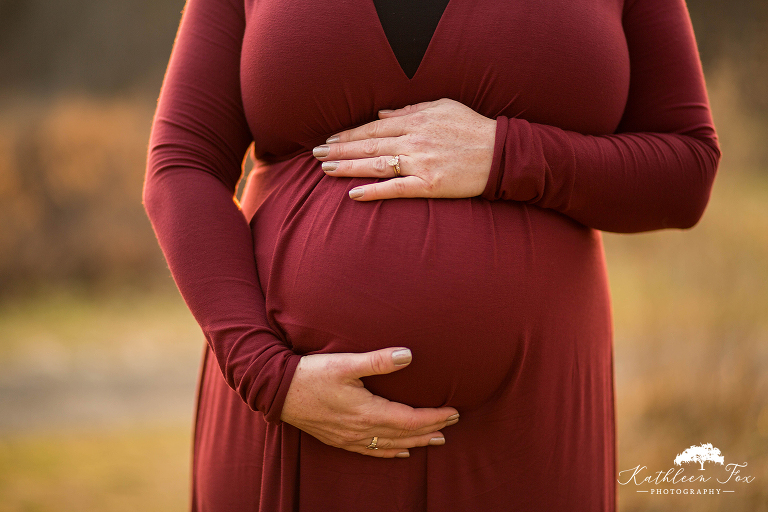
column 401, row 421
column 407, row 186
column 377, row 362
column 399, row 448
column 372, row 130
column 387, row 126
column 378, row 167
column 386, row 443
column 408, row 109
column 364, row 148
column 416, row 426
column 383, row 454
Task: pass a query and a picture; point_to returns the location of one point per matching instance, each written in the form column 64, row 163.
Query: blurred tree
column 110, row 45
column 94, row 45
column 77, row 89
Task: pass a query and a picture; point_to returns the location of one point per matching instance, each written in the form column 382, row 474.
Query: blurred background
column 98, row 356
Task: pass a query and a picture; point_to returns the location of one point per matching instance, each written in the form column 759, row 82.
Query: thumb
column 379, row 362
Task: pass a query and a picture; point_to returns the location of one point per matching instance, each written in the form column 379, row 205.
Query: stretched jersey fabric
column 602, row 124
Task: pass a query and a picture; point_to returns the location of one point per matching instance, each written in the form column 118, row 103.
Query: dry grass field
column 96, row 388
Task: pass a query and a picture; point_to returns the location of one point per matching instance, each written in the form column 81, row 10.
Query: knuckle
column 347, row 438
column 419, row 117
column 339, row 366
column 364, row 423
column 412, row 122
column 378, row 365
column 340, row 151
column 418, row 141
column 336, row 441
column 433, row 184
column 370, row 146
column 371, row 130
column 400, row 188
column 408, row 426
column 380, row 165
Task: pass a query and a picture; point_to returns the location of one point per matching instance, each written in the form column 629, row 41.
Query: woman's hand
column 445, row 150
column 328, row 401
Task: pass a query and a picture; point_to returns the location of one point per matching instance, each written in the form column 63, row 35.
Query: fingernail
column 321, row 151
column 403, row 455
column 401, row 357
column 356, row 193
column 385, row 111
column 437, row 441
column 453, row 417
column 330, row 166
column 332, row 139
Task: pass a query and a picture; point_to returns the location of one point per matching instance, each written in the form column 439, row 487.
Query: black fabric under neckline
column 409, row 26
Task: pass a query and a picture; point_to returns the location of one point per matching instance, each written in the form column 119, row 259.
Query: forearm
column 656, row 170
column 207, row 244
column 625, row 182
column 199, row 137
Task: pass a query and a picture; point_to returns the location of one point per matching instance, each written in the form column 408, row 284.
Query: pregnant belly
column 461, row 283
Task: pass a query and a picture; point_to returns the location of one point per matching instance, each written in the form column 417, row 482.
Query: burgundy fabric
column 603, row 123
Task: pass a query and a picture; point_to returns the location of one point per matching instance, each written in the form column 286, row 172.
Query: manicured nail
column 385, row 111
column 321, row 151
column 401, row 357
column 403, row 455
column 330, row 166
column 453, row 417
column 437, row 441
column 356, row 193
column 332, row 139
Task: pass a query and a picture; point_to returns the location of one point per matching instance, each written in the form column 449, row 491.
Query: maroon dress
column 603, row 124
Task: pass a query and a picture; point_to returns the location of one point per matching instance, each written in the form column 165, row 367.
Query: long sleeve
column 198, row 141
column 656, row 171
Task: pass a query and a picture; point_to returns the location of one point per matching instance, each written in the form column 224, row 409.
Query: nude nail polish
column 453, row 417
column 332, row 139
column 356, row 193
column 402, row 357
column 321, row 151
column 403, row 455
column 437, row 441
column 330, row 166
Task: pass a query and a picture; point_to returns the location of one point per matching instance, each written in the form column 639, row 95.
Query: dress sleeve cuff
column 493, row 186
column 275, row 410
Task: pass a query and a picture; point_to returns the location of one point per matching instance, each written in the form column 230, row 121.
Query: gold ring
column 395, row 163
column 373, row 444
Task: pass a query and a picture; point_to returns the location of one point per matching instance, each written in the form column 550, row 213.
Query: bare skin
column 445, row 151
column 327, row 400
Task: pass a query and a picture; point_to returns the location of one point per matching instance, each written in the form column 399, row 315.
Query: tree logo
column 700, row 454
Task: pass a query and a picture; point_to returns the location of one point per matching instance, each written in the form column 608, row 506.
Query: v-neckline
column 392, row 56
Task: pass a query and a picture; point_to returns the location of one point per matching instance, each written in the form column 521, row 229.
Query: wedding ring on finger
column 395, row 163
column 373, row 444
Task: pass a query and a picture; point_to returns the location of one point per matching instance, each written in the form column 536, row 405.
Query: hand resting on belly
column 328, row 401
column 446, row 151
